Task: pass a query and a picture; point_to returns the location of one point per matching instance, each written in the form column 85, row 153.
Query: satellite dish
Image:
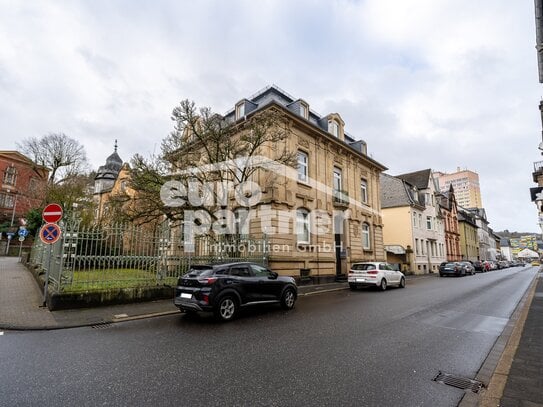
column 541, row 146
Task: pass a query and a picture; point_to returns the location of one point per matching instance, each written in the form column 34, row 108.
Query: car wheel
column 288, row 299
column 402, row 282
column 383, row 285
column 353, row 287
column 227, row 308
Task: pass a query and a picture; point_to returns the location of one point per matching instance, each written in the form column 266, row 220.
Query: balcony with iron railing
column 538, row 171
column 341, row 198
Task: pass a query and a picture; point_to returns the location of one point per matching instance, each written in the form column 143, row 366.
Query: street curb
column 11, row 327
column 488, row 372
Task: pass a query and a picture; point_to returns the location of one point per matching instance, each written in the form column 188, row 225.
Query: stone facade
column 335, row 178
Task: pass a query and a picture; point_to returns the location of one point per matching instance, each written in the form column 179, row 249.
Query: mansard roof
column 420, row 179
column 396, row 192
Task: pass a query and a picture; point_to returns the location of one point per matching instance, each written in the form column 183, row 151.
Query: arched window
column 366, row 237
column 303, row 226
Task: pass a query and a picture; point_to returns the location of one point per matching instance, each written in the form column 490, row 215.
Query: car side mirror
column 273, row 275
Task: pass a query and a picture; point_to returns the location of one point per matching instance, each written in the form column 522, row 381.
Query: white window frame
column 303, row 166
column 303, row 226
column 429, row 219
column 366, row 236
column 304, row 111
column 240, row 110
column 337, row 182
column 364, row 191
column 333, row 128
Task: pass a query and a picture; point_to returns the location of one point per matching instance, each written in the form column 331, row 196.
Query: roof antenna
column 115, row 145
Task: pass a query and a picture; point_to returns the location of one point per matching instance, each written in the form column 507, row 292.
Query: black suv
column 224, row 288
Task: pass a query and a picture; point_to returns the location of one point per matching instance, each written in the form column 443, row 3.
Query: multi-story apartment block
column 335, row 177
column 466, row 187
column 23, row 186
column 469, row 240
column 412, row 221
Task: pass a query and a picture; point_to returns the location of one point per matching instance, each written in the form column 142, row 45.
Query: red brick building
column 449, row 212
column 23, row 186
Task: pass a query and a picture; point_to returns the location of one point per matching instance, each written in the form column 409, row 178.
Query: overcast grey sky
column 434, row 84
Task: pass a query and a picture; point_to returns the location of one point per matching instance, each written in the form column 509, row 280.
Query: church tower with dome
column 105, row 179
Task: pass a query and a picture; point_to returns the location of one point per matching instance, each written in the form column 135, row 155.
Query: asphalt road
column 363, row 348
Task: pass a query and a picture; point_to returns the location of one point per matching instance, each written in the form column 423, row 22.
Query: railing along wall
column 117, row 256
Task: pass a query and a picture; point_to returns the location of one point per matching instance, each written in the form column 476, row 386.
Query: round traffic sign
column 52, row 213
column 21, row 238
column 50, row 233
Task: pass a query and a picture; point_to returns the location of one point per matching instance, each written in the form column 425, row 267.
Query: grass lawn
column 91, row 280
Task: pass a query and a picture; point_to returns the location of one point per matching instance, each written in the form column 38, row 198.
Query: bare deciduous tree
column 65, row 156
column 203, row 139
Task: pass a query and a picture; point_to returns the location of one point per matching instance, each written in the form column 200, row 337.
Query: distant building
column 23, row 188
column 469, row 239
column 487, row 249
column 466, row 187
column 412, row 221
column 505, row 249
column 449, row 214
column 104, row 181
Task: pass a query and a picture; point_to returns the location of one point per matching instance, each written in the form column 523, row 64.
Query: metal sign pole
column 7, row 247
column 46, row 286
column 20, row 249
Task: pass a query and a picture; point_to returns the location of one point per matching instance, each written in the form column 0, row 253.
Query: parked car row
column 465, row 268
column 225, row 288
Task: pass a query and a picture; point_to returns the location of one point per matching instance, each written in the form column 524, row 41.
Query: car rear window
column 450, row 264
column 363, row 266
column 201, row 271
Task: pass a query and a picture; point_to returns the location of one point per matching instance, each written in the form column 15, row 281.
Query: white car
column 374, row 274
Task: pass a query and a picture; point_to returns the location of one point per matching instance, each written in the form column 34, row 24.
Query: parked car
column 468, row 267
column 224, row 288
column 536, row 263
column 374, row 274
column 478, row 266
column 452, row 269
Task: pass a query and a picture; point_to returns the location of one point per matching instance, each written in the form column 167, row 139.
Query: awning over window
column 395, row 249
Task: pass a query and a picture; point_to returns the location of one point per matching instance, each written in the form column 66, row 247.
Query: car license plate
column 186, row 295
column 360, row 280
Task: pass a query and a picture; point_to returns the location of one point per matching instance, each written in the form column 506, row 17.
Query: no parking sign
column 50, row 233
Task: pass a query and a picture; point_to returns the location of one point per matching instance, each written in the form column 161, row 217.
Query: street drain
column 102, row 325
column 459, row 382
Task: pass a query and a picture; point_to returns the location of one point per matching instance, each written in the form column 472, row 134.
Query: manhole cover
column 458, row 382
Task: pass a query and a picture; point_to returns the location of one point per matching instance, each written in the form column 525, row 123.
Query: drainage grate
column 102, row 325
column 458, row 382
